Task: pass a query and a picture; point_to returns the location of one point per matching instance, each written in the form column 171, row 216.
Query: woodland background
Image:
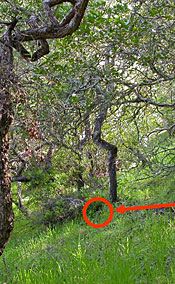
column 93, row 117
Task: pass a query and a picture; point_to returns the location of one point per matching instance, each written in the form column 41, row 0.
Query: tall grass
column 137, row 248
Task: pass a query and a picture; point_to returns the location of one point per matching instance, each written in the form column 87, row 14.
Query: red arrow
column 121, row 209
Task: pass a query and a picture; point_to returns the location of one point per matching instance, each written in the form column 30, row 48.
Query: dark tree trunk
column 112, row 174
column 79, row 178
column 112, row 153
column 6, row 213
column 80, row 182
column 6, row 77
column 90, row 157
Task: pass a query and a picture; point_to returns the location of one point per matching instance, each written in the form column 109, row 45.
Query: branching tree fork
column 13, row 39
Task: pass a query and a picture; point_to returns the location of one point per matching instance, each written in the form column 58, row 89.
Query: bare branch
column 47, row 4
column 151, row 102
column 160, row 73
column 21, row 179
column 159, row 130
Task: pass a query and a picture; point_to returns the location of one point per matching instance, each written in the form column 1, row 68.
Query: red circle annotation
column 110, row 210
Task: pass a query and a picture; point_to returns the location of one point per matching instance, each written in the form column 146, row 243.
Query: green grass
column 135, row 248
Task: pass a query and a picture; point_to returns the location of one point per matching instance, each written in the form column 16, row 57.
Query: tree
column 14, row 38
column 136, row 33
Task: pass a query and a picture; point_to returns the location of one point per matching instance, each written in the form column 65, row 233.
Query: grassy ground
column 135, row 248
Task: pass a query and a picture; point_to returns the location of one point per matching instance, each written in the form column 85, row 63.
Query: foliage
column 121, row 56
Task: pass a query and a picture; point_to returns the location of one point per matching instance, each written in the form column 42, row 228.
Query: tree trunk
column 6, row 81
column 112, row 153
column 48, row 159
column 112, row 174
column 20, row 203
column 6, row 213
column 80, row 181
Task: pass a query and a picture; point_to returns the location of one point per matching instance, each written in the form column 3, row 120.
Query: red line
column 149, row 206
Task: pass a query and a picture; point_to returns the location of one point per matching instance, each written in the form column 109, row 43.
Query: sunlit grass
column 135, row 248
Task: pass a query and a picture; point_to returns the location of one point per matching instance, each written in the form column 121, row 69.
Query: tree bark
column 6, row 80
column 112, row 153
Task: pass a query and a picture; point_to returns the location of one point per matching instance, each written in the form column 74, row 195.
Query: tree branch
column 149, row 101
column 43, row 43
column 67, row 27
column 21, row 178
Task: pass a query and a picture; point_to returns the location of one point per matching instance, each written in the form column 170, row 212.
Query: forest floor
column 135, row 248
